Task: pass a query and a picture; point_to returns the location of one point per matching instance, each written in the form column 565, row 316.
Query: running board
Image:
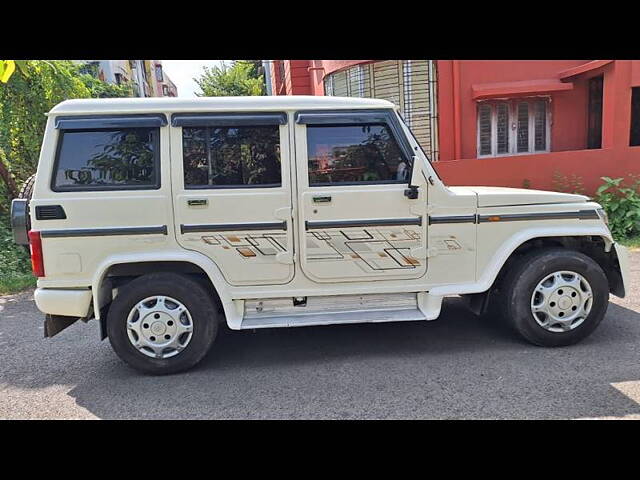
column 338, row 309
column 403, row 315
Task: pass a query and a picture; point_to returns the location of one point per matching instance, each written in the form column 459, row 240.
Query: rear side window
column 107, row 159
column 352, row 154
column 228, row 157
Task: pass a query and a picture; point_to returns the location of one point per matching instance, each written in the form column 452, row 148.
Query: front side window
column 231, row 156
column 123, row 158
column 347, row 154
column 512, row 127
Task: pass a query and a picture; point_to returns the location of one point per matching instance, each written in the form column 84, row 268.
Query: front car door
column 232, row 193
column 355, row 222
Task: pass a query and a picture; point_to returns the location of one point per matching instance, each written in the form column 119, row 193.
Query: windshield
column 418, row 144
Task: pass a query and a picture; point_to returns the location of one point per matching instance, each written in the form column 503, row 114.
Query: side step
column 330, row 310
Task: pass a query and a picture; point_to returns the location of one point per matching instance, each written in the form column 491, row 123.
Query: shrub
column 15, row 266
column 622, row 203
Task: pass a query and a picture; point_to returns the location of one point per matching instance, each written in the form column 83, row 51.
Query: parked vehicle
column 162, row 218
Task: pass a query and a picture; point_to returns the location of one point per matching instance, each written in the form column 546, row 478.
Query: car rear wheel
column 555, row 297
column 162, row 323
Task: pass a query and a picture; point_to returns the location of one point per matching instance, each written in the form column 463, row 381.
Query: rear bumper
column 67, row 302
column 623, row 260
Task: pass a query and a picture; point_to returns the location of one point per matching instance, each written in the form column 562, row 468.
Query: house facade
column 145, row 76
column 547, row 124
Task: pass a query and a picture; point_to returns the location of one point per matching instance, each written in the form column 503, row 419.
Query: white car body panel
column 451, row 252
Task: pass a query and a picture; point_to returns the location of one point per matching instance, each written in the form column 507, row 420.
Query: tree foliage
column 240, row 78
column 24, row 101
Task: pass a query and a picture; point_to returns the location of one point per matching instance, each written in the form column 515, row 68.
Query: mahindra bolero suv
column 163, row 218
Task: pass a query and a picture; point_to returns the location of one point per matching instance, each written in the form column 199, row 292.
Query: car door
column 232, row 193
column 356, row 220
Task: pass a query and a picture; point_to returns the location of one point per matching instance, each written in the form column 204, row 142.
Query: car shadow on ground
column 459, row 366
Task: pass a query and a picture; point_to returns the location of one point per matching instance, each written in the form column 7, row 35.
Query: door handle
column 322, row 199
column 197, row 202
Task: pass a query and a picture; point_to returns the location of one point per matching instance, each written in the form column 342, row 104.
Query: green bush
column 621, row 201
column 15, row 265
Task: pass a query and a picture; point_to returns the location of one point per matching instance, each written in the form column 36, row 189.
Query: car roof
column 98, row 106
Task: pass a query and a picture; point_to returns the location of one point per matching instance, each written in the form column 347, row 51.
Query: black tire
column 191, row 294
column 523, row 278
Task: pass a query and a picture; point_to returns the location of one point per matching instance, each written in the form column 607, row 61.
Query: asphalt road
column 455, row 367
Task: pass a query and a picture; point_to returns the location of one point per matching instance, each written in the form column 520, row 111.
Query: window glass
column 484, row 127
column 104, row 159
column 502, row 128
column 634, row 139
column 523, row 127
column 353, row 154
column 541, row 125
column 231, row 156
column 594, row 130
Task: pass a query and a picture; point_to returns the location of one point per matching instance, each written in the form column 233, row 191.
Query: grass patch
column 15, row 265
column 632, row 242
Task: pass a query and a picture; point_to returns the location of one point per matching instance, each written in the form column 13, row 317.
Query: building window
column 410, row 84
column 328, row 86
column 634, row 140
column 159, row 76
column 365, row 153
column 165, row 90
column 231, row 156
column 513, row 127
column 118, row 78
column 125, row 158
column 594, row 132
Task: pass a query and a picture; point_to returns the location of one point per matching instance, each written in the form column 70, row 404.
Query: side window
column 231, row 156
column 362, row 153
column 107, row 159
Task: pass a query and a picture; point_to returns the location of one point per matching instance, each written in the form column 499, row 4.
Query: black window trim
column 224, row 119
column 106, row 188
column 335, row 118
column 227, row 119
column 98, row 122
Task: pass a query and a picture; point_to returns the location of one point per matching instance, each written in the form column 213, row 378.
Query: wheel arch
column 486, row 275
column 132, row 265
column 596, row 246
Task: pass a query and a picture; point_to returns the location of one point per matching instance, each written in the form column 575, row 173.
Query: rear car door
column 232, row 193
column 355, row 222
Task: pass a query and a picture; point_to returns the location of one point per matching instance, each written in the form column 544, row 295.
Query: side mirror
column 412, row 191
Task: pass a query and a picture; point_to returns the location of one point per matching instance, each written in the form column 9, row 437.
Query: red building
column 543, row 124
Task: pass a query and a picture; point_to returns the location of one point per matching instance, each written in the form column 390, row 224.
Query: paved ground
column 454, row 367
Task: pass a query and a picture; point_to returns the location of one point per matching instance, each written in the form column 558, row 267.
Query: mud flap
column 54, row 324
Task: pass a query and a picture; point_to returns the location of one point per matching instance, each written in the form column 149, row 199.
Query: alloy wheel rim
column 159, row 326
column 561, row 301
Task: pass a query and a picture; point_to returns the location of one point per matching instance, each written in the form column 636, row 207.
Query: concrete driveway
column 455, row 367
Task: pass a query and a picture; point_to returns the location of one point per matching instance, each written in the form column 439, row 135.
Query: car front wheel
column 555, row 297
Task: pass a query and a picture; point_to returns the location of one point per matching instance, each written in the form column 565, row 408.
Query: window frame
column 512, row 138
column 106, row 188
column 232, row 120
column 344, row 118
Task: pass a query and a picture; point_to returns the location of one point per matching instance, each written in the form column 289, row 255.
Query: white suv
column 163, row 217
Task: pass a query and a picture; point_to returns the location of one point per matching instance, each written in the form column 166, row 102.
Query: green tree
column 8, row 67
column 24, row 101
column 240, row 78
